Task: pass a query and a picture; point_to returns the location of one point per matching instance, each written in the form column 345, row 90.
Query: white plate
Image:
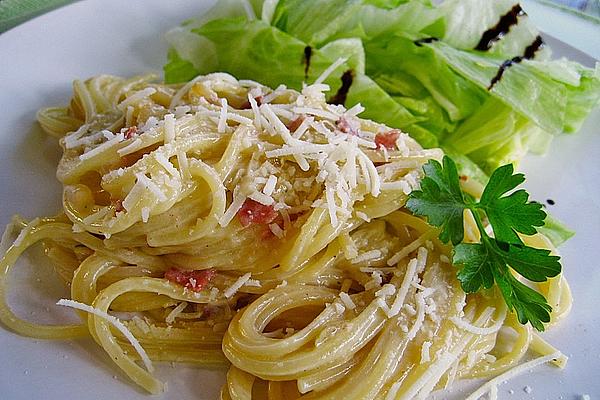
column 39, row 61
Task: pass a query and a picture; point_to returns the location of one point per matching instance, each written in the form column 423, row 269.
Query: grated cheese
column 184, row 165
column 367, row 256
column 270, row 185
column 253, row 283
column 425, row 356
column 363, row 216
column 276, row 230
column 274, row 94
column 169, row 128
column 137, row 96
column 317, row 112
column 151, row 186
column 114, row 322
column 234, row 207
column 256, row 111
column 387, row 290
column 222, row 125
column 231, row 290
column 407, row 250
column 145, row 214
column 347, row 300
column 419, row 319
column 166, row 164
column 329, row 70
column 261, row 198
column 411, row 270
column 132, row 147
column 175, row 312
column 101, row 148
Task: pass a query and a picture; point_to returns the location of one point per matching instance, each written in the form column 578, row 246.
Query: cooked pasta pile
column 266, row 229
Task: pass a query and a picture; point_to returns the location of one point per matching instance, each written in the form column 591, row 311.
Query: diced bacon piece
column 118, row 205
column 348, row 126
column 252, row 212
column 387, row 139
column 131, row 132
column 193, row 280
column 295, row 124
column 246, row 105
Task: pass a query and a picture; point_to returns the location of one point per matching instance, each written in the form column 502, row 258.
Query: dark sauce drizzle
column 502, row 27
column 420, row 42
column 306, row 60
column 530, row 51
column 528, row 54
column 342, row 93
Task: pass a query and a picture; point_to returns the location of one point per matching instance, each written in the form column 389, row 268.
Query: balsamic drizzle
column 530, row 51
column 306, row 60
column 342, row 93
column 502, row 27
column 528, row 54
column 419, row 42
column 506, row 64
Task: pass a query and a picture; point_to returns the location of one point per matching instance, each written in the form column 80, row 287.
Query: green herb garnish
column 509, row 212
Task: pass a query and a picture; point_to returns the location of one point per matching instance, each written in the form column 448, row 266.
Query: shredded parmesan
column 276, row 230
column 234, row 207
column 101, row 148
column 137, row 96
column 145, row 214
column 270, row 185
column 261, row 198
column 175, row 312
column 222, row 126
column 347, row 300
column 114, row 322
column 151, row 186
column 132, row 147
column 329, row 70
column 253, row 283
column 367, row 256
column 241, row 281
column 425, row 357
column 169, row 128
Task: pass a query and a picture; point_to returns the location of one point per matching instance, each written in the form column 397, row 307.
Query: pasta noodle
column 265, row 229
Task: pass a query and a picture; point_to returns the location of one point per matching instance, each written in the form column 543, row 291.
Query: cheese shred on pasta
column 263, row 229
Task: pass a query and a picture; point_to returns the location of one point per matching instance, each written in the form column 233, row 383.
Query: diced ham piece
column 118, row 205
column 295, row 124
column 131, row 132
column 387, row 139
column 246, row 105
column 252, row 212
column 193, row 280
column 348, row 126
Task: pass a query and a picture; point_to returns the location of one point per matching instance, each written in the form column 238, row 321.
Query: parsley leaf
column 530, row 305
column 441, row 199
column 493, row 259
column 513, row 213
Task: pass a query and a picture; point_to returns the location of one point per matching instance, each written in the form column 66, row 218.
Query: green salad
column 473, row 77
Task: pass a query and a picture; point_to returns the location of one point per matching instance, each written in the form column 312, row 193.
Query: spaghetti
column 265, row 229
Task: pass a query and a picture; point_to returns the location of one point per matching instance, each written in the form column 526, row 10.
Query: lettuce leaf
column 550, row 103
column 258, row 51
column 437, row 92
